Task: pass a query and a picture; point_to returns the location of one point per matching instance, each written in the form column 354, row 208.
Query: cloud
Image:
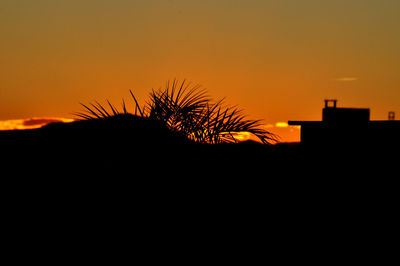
column 40, row 121
column 281, row 124
column 31, row 123
column 346, row 79
column 285, row 132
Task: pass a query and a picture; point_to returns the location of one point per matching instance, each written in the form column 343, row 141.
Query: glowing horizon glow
column 281, row 129
column 281, row 124
column 31, row 123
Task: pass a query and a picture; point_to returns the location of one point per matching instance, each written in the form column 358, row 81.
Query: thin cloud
column 286, row 132
column 30, row 123
column 41, row 121
column 281, row 124
column 346, row 79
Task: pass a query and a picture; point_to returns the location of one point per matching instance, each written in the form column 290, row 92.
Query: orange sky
column 277, row 59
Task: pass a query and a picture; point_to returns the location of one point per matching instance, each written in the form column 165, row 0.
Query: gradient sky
column 277, row 59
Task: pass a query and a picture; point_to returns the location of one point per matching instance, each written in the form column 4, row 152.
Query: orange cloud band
column 31, row 123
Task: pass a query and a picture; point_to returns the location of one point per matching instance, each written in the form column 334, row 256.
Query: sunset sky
column 277, row 59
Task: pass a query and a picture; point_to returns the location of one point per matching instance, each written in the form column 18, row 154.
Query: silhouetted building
column 348, row 126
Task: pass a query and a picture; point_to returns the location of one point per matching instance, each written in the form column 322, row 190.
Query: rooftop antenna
column 330, row 103
column 391, row 116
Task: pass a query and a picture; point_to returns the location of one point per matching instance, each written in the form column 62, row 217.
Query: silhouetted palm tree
column 188, row 110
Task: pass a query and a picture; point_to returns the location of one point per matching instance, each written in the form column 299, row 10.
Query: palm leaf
column 188, row 109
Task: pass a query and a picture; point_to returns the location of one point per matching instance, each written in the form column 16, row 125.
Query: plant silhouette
column 189, row 111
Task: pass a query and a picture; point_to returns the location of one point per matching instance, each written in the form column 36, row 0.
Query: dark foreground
column 111, row 185
column 131, row 146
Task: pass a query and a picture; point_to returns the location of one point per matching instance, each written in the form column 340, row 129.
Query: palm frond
column 176, row 105
column 113, row 109
column 187, row 109
column 137, row 107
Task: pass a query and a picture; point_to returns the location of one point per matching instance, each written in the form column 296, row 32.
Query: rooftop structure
column 348, row 126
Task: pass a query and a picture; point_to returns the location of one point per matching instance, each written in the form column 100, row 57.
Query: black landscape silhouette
column 175, row 167
column 176, row 120
column 181, row 124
